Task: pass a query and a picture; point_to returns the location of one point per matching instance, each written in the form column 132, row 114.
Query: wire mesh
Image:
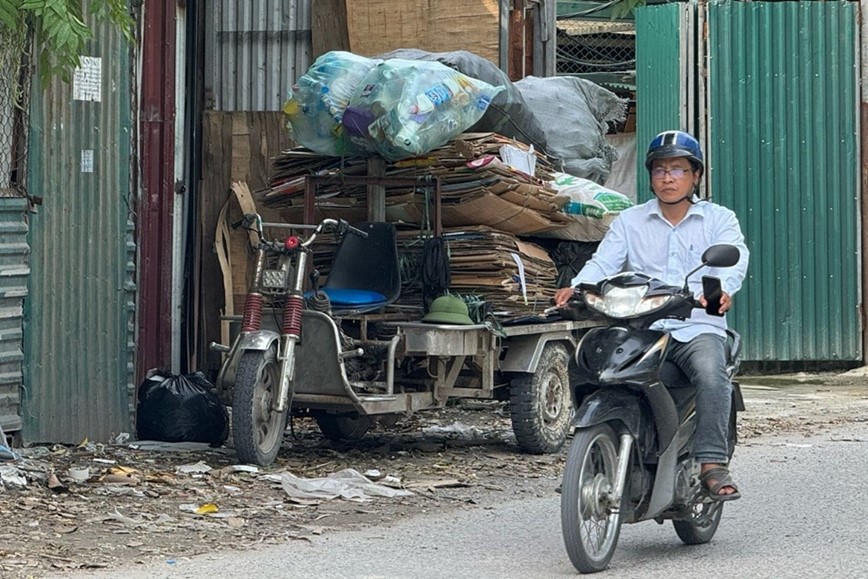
column 14, row 105
column 594, row 46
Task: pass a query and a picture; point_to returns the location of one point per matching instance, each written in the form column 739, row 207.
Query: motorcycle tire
column 256, row 428
column 702, row 526
column 589, row 523
column 540, row 404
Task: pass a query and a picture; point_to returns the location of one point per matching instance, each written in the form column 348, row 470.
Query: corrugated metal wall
column 14, row 269
column 79, row 330
column 663, row 62
column 783, row 101
column 254, row 51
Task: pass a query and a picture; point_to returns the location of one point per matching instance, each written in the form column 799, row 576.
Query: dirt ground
column 109, row 506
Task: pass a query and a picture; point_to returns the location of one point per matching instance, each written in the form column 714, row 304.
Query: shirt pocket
column 694, row 256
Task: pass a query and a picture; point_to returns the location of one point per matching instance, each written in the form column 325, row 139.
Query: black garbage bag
column 180, row 408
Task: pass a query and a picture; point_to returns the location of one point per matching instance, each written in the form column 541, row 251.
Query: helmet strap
column 688, row 198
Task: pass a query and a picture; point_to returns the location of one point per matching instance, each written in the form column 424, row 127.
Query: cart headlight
column 274, row 279
column 625, row 302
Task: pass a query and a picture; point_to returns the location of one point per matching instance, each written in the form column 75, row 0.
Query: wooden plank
column 329, row 26
column 213, row 194
column 237, row 146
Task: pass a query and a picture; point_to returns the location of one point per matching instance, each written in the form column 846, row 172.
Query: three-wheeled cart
column 353, row 368
column 348, row 383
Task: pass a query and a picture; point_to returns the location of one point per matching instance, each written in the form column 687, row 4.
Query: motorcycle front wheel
column 256, row 428
column 590, row 522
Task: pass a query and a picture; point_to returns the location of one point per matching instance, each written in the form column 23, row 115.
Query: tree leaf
column 61, row 32
column 10, row 17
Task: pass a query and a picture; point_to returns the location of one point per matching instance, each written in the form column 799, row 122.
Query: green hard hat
column 448, row 310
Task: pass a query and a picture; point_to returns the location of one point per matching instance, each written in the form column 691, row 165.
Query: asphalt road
column 804, row 513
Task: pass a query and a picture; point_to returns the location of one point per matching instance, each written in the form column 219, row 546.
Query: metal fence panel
column 662, row 75
column 254, row 51
column 784, row 130
column 80, row 312
column 14, row 271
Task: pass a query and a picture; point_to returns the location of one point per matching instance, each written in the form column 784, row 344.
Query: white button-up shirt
column 640, row 239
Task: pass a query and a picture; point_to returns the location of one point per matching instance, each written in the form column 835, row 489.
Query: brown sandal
column 721, row 478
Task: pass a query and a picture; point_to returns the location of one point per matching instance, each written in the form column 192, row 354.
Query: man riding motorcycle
column 663, row 238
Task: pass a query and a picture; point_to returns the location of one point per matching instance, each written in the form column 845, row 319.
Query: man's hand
column 725, row 302
column 563, row 295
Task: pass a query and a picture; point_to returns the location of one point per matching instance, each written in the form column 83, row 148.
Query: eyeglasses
column 659, row 172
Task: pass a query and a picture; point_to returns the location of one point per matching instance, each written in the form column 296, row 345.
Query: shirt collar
column 697, row 208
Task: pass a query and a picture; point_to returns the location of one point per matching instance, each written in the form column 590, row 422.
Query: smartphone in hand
column 712, row 292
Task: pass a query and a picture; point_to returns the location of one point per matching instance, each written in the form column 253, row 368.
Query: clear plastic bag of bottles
column 317, row 101
column 405, row 108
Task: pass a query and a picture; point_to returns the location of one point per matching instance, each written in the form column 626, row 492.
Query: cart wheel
column 342, row 427
column 388, row 420
column 541, row 403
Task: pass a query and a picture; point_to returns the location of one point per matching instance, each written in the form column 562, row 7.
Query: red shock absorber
column 252, row 320
column 292, row 316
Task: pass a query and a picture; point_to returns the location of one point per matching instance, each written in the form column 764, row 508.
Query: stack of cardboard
column 485, row 206
column 477, row 188
column 515, row 277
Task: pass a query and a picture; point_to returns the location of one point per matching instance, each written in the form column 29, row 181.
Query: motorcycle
column 260, row 365
column 630, row 459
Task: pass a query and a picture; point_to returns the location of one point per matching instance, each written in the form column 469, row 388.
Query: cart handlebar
column 340, row 227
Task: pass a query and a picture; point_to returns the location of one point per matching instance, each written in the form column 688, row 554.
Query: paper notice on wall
column 87, row 80
column 87, row 161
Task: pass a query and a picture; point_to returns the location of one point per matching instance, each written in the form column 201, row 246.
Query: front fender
column 608, row 404
column 259, row 340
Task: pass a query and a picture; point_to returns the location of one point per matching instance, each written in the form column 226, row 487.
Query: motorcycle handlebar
column 253, row 221
column 576, row 302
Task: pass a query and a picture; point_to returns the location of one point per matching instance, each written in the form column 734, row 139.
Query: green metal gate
column 80, row 311
column 665, row 77
column 775, row 96
column 783, row 100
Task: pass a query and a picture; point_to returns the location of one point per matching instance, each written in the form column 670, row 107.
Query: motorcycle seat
column 365, row 273
column 354, row 297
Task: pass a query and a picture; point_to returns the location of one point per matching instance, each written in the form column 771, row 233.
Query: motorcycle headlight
column 625, row 302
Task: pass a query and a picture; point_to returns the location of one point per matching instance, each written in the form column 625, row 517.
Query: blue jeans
column 703, row 361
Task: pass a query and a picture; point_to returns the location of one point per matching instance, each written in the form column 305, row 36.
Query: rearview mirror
column 722, row 255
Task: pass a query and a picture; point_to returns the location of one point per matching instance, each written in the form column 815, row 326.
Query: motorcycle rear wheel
column 256, row 428
column 589, row 523
column 702, row 526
